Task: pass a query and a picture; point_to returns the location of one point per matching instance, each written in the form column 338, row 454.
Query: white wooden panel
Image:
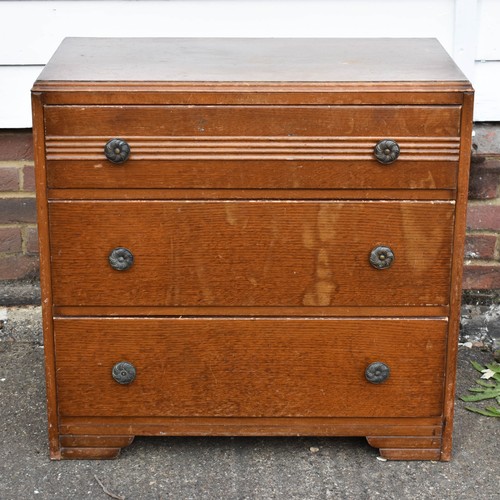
column 487, row 85
column 30, row 31
column 488, row 43
column 15, row 98
column 465, row 37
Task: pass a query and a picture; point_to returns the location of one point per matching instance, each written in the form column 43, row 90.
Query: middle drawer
column 250, row 253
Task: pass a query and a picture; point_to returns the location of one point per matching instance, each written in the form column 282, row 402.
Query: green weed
column 488, row 388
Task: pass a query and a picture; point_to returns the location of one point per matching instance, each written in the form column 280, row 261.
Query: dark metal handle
column 121, row 258
column 377, row 372
column 381, row 257
column 117, row 150
column 386, row 151
column 124, row 372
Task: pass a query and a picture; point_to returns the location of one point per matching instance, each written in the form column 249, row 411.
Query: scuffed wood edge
column 45, row 275
column 457, row 271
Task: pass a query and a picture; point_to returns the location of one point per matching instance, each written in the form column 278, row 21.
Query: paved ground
column 226, row 468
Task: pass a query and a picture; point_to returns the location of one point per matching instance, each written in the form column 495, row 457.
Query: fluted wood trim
column 252, row 148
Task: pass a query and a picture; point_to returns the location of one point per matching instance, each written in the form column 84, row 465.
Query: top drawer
column 291, row 147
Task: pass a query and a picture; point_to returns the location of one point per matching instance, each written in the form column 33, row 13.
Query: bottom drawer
column 222, row 367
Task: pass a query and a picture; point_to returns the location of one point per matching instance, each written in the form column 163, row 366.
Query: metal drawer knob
column 386, row 151
column 117, row 150
column 121, row 258
column 381, row 257
column 377, row 372
column 124, row 372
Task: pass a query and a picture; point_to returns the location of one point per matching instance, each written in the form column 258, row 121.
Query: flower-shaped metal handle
column 124, row 372
column 117, row 150
column 120, row 258
column 377, row 372
column 381, row 257
column 386, row 151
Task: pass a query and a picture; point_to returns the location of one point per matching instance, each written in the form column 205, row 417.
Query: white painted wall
column 30, row 31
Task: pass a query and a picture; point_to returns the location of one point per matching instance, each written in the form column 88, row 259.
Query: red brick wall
column 18, row 235
column 18, row 246
column 482, row 252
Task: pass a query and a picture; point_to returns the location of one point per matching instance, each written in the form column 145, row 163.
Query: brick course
column 9, row 179
column 16, row 145
column 29, row 178
column 484, row 174
column 31, row 238
column 481, row 246
column 485, row 217
column 10, row 240
column 19, row 266
column 17, row 210
column 482, row 257
column 18, row 233
column 18, row 250
column 481, row 277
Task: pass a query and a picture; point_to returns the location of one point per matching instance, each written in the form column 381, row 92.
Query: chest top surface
column 251, row 60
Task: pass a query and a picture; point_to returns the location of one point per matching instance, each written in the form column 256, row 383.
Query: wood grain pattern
column 305, row 311
column 249, row 253
column 404, row 442
column 252, row 162
column 252, row 148
column 311, row 365
column 279, row 60
column 45, row 272
column 251, row 201
column 89, row 453
column 245, row 174
column 348, row 121
column 457, row 271
column 411, row 453
column 264, row 93
column 93, row 447
column 407, row 433
column 258, row 426
column 89, row 441
column 249, row 194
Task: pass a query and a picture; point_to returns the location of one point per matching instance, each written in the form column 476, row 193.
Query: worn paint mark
column 429, row 181
column 201, row 124
column 323, row 288
column 253, row 281
column 327, row 218
column 308, row 237
column 207, row 293
column 231, row 214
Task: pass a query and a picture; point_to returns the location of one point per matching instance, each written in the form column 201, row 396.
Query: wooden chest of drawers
column 251, row 237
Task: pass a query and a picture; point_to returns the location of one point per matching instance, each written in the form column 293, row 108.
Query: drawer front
column 256, row 121
column 251, row 368
column 238, row 147
column 253, row 253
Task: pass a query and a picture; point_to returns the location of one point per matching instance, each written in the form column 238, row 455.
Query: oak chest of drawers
column 251, row 237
